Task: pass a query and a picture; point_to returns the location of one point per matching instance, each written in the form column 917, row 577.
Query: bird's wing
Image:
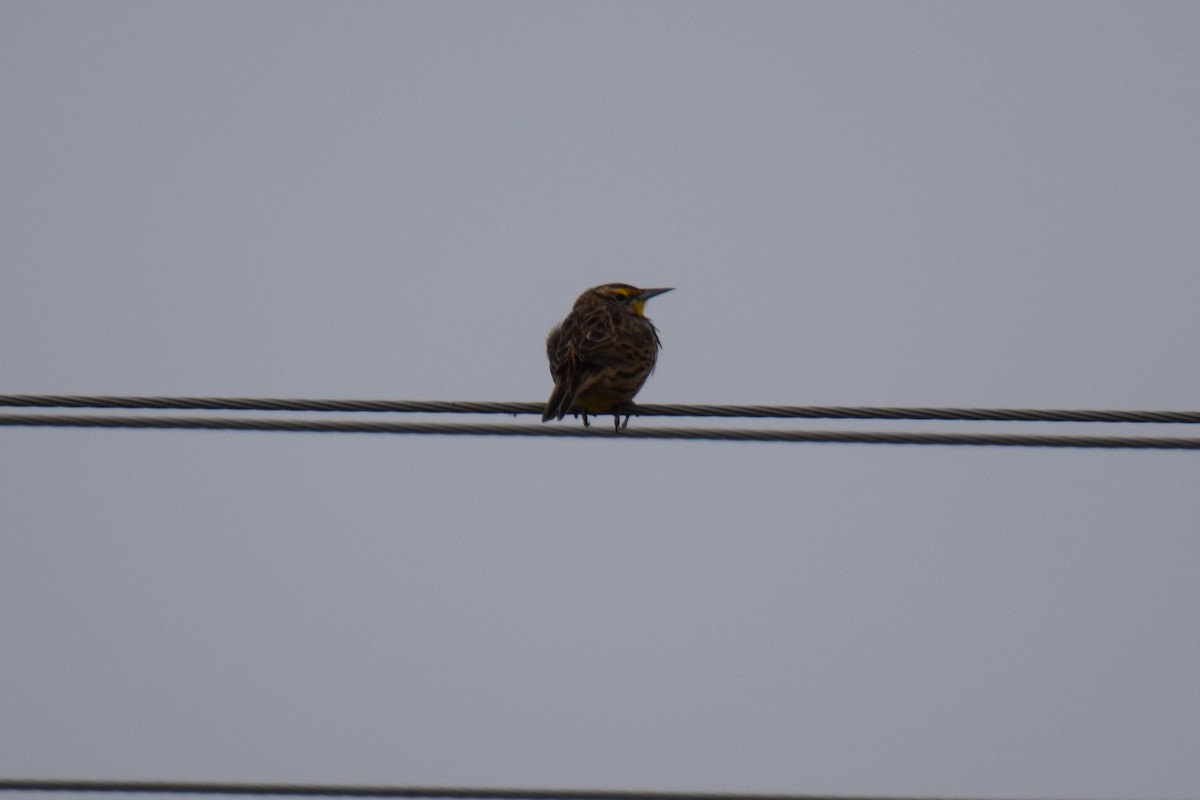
column 577, row 349
column 589, row 338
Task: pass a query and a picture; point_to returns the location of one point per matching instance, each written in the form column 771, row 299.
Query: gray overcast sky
column 864, row 204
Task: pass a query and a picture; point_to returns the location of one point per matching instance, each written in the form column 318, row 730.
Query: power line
column 597, row 431
column 441, row 793
column 648, row 410
column 266, row 404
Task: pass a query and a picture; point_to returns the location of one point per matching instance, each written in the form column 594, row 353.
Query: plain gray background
column 860, row 203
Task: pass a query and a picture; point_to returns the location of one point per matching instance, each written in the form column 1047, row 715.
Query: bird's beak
column 646, row 294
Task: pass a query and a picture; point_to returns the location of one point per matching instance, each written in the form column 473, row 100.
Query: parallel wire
column 442, row 793
column 267, row 404
column 649, row 410
column 600, row 431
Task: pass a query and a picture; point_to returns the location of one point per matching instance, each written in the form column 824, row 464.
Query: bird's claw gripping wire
column 618, row 425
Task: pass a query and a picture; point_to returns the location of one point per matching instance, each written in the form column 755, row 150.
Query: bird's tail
column 559, row 402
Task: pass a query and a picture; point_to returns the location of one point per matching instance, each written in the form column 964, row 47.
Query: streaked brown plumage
column 602, row 353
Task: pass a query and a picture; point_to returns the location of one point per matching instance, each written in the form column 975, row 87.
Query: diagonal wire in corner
column 441, row 793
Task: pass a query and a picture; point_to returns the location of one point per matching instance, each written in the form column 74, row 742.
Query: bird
column 602, row 353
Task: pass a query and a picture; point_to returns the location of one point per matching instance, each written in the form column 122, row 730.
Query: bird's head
column 628, row 296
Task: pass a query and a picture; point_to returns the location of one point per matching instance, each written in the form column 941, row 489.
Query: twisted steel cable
column 599, row 431
column 648, row 410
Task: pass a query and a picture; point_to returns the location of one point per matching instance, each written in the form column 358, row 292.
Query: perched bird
column 602, row 353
